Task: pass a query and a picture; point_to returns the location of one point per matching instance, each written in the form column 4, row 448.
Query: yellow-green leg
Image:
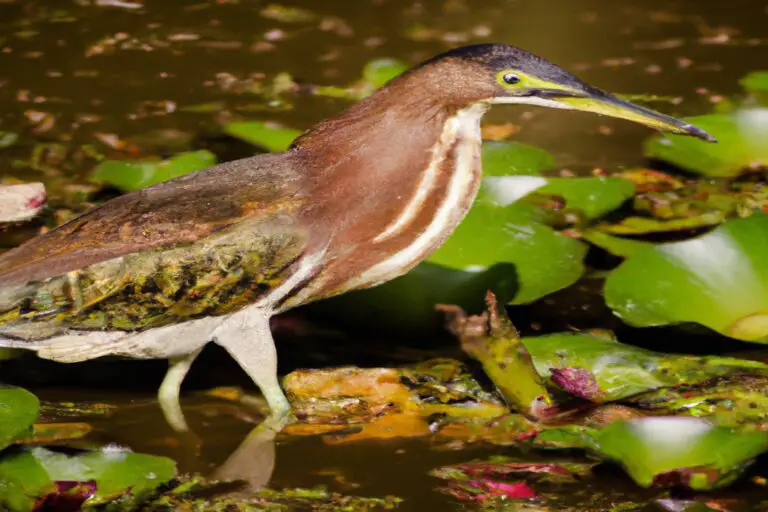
column 248, row 339
column 170, row 389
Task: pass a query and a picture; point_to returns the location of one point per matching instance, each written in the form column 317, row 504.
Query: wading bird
column 358, row 199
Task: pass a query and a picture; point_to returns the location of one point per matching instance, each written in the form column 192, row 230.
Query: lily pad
column 508, row 158
column 18, row 411
column 602, row 370
column 671, row 451
column 378, row 72
column 742, row 144
column 719, row 280
column 134, row 175
column 756, row 81
column 32, row 478
column 512, row 171
column 269, row 136
column 593, row 197
column 375, row 74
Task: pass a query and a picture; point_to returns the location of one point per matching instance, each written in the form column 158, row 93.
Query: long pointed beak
column 605, row 104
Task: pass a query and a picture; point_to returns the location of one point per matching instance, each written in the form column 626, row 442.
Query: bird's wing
column 182, row 210
column 204, row 244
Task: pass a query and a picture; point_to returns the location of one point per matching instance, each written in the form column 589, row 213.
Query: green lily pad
column 18, row 411
column 602, row 370
column 134, row 175
column 742, row 144
column 736, row 400
column 671, row 451
column 508, row 158
column 719, row 280
column 756, row 81
column 36, row 475
column 593, row 197
column 512, row 171
column 375, row 74
column 269, row 136
column 378, row 72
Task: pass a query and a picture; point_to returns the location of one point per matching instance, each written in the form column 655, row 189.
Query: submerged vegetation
column 676, row 250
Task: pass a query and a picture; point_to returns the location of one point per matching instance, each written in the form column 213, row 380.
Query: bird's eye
column 511, row 78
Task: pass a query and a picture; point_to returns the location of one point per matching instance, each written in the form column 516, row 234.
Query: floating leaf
column 602, row 370
column 134, row 175
column 378, row 72
column 594, row 197
column 742, row 144
column 736, row 400
column 18, row 411
column 8, row 139
column 615, row 245
column 512, row 171
column 375, row 74
column 756, row 81
column 671, row 451
column 287, row 14
column 32, row 478
column 719, row 280
column 269, row 136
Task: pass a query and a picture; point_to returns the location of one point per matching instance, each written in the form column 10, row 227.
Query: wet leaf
column 513, row 170
column 736, row 400
column 601, row 370
column 615, row 245
column 8, row 139
column 719, row 280
column 593, row 197
column 378, row 72
column 501, row 467
column 358, row 395
column 644, row 226
column 18, row 411
column 287, row 14
column 269, row 136
column 375, row 74
column 35, row 477
column 483, row 491
column 756, row 81
column 134, row 175
column 742, row 144
column 671, row 451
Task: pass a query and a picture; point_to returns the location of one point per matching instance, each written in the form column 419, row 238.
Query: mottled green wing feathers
column 206, row 244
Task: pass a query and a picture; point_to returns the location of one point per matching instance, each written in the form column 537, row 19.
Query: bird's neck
column 391, row 187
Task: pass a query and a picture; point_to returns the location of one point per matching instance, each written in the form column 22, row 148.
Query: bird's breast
column 421, row 218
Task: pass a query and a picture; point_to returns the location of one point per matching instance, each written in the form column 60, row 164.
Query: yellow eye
column 510, row 78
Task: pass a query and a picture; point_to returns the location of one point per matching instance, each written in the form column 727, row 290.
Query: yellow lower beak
column 607, row 105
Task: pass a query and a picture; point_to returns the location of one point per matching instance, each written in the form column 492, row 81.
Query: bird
column 357, row 200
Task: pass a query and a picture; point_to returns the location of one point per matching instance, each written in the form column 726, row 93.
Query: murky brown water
column 71, row 70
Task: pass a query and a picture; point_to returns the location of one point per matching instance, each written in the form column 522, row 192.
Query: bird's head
column 498, row 73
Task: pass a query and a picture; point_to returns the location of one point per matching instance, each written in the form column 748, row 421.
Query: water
column 79, row 72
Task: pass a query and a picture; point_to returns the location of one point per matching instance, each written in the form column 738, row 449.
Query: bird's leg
column 168, row 395
column 248, row 339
